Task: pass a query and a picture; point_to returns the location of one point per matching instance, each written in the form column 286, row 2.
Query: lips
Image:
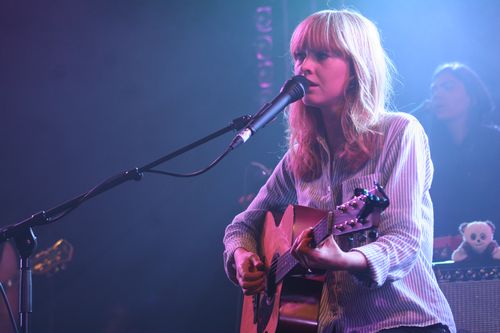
column 437, row 103
column 311, row 83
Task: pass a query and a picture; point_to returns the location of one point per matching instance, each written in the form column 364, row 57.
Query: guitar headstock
column 360, row 213
column 53, row 259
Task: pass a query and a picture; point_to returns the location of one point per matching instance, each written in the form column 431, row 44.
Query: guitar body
column 293, row 304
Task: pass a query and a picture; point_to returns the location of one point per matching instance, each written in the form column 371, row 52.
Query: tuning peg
column 342, row 208
column 353, row 203
column 340, row 227
column 360, row 191
column 353, row 222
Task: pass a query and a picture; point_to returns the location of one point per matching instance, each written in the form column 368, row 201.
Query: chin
column 315, row 102
column 309, row 99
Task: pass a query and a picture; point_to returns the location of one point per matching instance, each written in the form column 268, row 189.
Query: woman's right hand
column 250, row 271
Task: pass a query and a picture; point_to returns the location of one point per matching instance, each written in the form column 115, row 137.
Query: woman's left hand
column 327, row 255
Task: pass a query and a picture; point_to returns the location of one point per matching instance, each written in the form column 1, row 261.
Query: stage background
column 91, row 88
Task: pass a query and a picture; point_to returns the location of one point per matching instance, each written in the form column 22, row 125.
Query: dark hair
column 482, row 102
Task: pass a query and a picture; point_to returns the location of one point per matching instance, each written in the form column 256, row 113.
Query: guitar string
column 286, row 262
column 281, row 266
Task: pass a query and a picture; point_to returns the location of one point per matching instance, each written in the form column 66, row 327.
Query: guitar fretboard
column 343, row 220
column 287, row 262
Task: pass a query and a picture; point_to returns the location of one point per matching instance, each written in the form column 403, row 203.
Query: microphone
column 426, row 105
column 293, row 90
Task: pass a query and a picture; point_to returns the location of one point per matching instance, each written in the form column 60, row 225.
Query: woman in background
column 465, row 148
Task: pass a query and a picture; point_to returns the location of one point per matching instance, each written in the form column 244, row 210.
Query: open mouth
column 312, row 84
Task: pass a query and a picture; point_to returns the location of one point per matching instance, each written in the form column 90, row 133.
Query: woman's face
column 449, row 99
column 329, row 74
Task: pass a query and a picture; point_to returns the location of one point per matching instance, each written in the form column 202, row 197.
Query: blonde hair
column 366, row 95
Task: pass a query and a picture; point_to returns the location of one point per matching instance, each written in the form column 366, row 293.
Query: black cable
column 193, row 174
column 82, row 199
column 161, row 172
column 7, row 305
column 69, row 210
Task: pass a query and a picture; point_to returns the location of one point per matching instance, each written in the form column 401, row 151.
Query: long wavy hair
column 365, row 96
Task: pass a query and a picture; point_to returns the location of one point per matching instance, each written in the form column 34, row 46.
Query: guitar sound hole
column 266, row 304
column 270, row 288
column 265, row 311
column 270, row 299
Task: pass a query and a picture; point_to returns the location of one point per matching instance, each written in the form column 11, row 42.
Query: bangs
column 317, row 32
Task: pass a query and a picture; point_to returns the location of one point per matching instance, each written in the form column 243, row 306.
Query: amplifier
column 473, row 292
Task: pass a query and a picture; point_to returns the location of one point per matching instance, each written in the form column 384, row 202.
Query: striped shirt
column 400, row 289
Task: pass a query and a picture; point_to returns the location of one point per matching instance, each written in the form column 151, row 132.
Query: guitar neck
column 358, row 214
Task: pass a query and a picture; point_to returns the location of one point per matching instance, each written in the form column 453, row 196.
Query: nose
column 306, row 66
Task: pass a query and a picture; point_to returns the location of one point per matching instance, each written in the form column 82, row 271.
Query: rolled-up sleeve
column 244, row 230
column 407, row 170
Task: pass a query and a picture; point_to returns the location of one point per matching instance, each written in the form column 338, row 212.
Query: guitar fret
column 285, row 264
column 320, row 231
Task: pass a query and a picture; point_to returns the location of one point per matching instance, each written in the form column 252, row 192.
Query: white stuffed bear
column 478, row 243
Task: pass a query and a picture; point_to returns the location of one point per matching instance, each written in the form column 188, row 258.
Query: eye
column 321, row 55
column 483, row 236
column 299, row 56
column 473, row 236
column 337, row 54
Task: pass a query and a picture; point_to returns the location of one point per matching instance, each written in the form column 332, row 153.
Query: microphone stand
column 25, row 240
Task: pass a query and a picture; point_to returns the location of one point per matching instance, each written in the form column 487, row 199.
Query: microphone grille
column 297, row 87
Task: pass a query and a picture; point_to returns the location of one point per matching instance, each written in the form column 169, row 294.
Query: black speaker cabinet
column 473, row 292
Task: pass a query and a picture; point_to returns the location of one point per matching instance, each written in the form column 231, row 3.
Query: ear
column 462, row 227
column 492, row 226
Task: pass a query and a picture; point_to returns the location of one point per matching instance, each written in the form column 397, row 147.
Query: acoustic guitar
column 290, row 302
column 47, row 263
